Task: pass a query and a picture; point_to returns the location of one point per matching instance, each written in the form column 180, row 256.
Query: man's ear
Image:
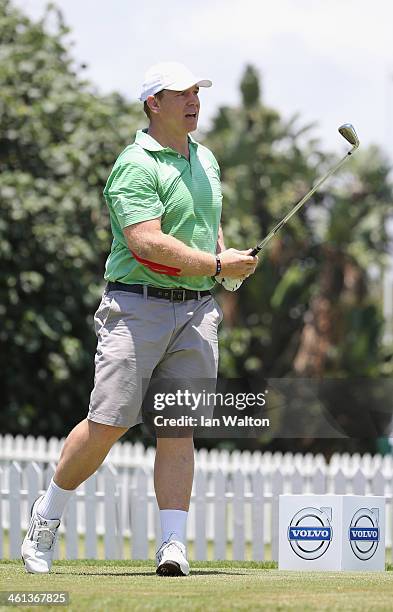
column 153, row 103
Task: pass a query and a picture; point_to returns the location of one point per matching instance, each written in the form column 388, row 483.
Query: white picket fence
column 130, row 456
column 233, row 504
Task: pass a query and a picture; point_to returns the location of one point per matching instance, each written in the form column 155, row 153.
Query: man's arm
column 148, row 242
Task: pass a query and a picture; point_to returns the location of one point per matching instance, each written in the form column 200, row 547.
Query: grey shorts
column 140, row 337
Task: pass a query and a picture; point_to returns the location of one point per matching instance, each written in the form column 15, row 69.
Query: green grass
column 226, row 585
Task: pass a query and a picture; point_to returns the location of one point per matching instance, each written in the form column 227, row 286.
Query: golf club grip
column 255, row 251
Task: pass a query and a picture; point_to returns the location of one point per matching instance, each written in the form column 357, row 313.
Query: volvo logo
column 310, row 532
column 364, row 533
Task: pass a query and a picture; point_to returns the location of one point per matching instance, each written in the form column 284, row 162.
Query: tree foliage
column 58, row 140
column 310, row 310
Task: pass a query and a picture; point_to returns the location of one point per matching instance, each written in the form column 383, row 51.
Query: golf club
column 349, row 133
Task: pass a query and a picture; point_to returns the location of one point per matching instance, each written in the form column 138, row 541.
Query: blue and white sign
column 364, row 523
column 331, row 532
column 310, row 532
column 364, row 533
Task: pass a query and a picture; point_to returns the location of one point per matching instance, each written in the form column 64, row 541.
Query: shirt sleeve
column 216, row 166
column 132, row 194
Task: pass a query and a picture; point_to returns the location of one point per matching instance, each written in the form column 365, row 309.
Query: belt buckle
column 176, row 292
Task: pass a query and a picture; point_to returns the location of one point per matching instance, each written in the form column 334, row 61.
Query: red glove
column 157, row 267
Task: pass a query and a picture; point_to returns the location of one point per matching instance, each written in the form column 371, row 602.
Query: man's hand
column 246, row 265
column 237, row 264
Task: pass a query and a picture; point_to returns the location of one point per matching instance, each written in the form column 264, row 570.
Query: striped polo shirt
column 149, row 181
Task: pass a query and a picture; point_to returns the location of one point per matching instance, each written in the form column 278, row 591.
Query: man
column 157, row 317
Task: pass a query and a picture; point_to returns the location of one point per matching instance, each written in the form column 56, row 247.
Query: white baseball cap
column 169, row 75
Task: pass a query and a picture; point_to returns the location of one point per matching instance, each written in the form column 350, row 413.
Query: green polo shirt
column 149, row 181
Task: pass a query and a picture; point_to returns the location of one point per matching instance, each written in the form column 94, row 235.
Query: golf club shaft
column 308, row 195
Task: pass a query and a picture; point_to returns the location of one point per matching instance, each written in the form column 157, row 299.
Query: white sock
column 54, row 501
column 173, row 522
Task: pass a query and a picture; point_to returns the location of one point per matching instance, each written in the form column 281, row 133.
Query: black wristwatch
column 218, row 266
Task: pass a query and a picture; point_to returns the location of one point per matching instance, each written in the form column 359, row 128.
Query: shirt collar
column 144, row 139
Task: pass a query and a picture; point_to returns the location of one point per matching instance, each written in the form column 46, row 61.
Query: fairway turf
column 227, row 585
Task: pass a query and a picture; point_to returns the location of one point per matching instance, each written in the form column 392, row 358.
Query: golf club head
column 349, row 133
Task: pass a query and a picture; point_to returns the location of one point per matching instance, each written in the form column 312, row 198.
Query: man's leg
column 84, row 450
column 173, row 472
column 191, row 359
column 173, row 476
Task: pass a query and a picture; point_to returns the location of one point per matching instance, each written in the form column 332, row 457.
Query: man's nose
column 193, row 98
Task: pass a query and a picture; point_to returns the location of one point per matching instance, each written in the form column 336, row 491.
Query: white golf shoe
column 39, row 543
column 171, row 558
